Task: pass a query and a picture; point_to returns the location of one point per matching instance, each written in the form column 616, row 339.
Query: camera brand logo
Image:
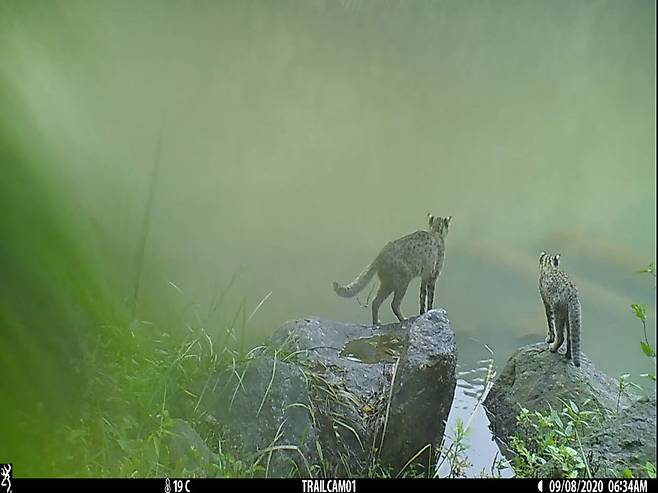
column 5, row 474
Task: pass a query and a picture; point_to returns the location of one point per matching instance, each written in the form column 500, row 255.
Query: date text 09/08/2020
column 596, row 486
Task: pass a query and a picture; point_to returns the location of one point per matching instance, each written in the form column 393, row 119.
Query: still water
column 299, row 137
column 482, row 454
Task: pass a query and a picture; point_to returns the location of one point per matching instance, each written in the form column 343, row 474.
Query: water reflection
column 482, row 455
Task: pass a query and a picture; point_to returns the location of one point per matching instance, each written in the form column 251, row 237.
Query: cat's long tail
column 574, row 326
column 357, row 284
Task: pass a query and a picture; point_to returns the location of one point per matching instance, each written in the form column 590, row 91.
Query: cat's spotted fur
column 417, row 254
column 562, row 305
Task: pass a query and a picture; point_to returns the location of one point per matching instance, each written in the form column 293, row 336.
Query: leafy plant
column 640, row 313
column 628, row 474
column 455, row 454
column 623, row 383
column 553, row 439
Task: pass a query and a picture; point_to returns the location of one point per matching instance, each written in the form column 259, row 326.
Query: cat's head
column 546, row 260
column 439, row 224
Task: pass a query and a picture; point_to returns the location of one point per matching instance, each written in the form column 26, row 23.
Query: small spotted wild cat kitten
column 562, row 306
column 417, row 254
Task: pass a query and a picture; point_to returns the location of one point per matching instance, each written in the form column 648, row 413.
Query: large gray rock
column 537, row 379
column 423, row 391
column 353, row 367
column 330, row 398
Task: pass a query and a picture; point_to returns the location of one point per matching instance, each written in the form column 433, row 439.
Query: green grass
column 141, row 381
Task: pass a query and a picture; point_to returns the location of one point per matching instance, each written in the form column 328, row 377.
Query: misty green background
column 300, row 137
